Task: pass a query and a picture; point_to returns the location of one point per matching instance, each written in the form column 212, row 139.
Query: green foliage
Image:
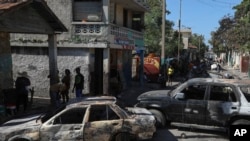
column 198, row 41
column 153, row 27
column 233, row 32
column 153, row 32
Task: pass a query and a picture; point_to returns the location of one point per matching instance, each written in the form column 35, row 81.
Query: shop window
column 87, row 10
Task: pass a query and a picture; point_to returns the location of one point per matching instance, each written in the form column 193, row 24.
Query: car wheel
column 160, row 119
column 122, row 137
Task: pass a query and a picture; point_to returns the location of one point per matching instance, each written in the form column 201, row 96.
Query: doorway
column 98, row 72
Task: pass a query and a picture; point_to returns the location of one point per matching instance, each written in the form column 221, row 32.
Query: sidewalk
column 236, row 73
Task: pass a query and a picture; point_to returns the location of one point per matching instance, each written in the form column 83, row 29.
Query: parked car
column 201, row 101
column 90, row 119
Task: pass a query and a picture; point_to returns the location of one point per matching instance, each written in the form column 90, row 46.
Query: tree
column 198, row 41
column 242, row 18
column 223, row 39
column 233, row 32
column 153, row 26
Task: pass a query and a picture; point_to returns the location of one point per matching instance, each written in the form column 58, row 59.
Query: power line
column 223, row 2
column 217, row 3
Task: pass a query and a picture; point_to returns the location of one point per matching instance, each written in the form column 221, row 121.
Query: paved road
column 186, row 134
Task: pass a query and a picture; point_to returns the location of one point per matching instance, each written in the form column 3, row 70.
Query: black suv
column 202, row 101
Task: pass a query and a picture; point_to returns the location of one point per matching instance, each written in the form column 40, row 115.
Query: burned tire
column 122, row 137
column 160, row 119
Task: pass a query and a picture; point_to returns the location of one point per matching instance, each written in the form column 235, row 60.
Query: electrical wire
column 218, row 3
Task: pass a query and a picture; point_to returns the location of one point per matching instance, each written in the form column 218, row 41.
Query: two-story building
column 100, row 39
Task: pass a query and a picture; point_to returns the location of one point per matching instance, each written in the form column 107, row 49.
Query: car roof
column 236, row 82
column 90, row 100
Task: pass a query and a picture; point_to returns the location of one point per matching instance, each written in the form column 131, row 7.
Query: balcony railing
column 125, row 32
column 104, row 31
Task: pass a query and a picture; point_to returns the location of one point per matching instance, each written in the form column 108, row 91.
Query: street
column 175, row 133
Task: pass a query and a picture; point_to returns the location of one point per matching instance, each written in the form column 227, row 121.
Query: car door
column 221, row 104
column 102, row 123
column 66, row 125
column 195, row 108
column 174, row 109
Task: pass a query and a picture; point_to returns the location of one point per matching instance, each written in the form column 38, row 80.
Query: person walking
column 170, row 72
column 22, row 88
column 55, row 91
column 66, row 81
column 79, row 83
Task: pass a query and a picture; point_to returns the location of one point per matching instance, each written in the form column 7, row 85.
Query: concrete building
column 186, row 33
column 27, row 17
column 100, row 39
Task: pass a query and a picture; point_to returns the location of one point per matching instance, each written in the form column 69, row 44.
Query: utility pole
column 179, row 42
column 163, row 38
column 199, row 46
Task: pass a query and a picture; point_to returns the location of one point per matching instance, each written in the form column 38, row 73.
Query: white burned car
column 94, row 119
column 201, row 101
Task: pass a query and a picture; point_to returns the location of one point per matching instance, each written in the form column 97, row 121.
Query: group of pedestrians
column 58, row 91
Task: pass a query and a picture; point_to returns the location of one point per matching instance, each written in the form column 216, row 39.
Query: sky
column 202, row 16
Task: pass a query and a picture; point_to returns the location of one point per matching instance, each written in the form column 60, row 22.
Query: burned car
column 201, row 101
column 91, row 120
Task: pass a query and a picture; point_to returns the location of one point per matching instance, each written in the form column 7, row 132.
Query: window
column 137, row 22
column 222, row 93
column 102, row 112
column 246, row 92
column 72, row 116
column 87, row 10
column 196, row 92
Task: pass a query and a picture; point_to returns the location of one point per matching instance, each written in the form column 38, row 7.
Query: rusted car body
column 88, row 120
column 202, row 101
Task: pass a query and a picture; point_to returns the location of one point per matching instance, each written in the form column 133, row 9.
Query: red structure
column 152, row 67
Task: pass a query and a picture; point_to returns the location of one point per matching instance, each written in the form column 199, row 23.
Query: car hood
column 143, row 117
column 19, row 126
column 154, row 95
column 138, row 111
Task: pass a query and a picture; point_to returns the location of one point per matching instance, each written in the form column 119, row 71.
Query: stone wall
column 35, row 62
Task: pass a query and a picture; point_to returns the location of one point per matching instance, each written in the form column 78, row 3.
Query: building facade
column 27, row 17
column 100, row 39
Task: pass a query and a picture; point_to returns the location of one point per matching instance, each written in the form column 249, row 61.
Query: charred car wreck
column 90, row 119
column 201, row 101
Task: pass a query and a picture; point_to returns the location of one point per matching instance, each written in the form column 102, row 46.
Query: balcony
column 107, row 33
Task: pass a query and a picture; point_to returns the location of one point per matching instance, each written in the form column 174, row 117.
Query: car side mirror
column 180, row 96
